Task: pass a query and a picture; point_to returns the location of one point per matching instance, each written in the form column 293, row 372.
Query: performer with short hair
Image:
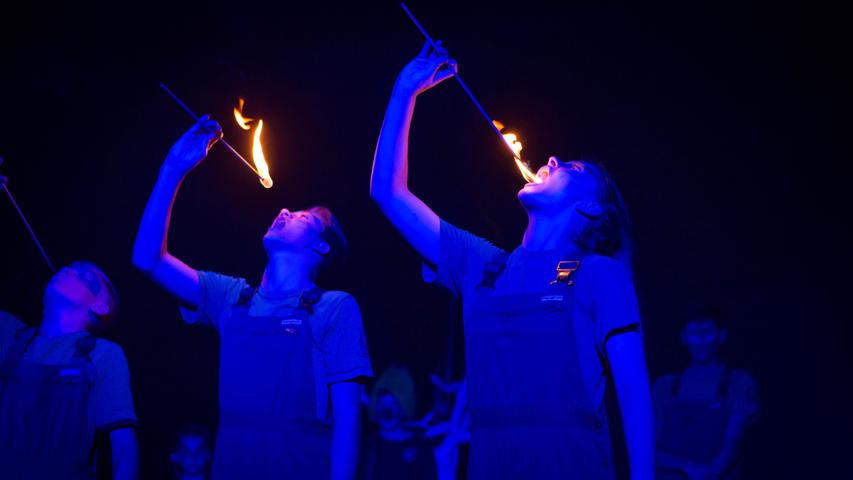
column 292, row 356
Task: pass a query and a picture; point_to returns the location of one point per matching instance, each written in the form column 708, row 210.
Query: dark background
column 724, row 124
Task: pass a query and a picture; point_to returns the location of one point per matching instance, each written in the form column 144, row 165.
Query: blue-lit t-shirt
column 605, row 301
column 336, row 325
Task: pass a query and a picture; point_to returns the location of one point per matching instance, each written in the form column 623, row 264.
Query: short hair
column 704, row 313
column 333, row 235
column 113, row 300
column 195, row 430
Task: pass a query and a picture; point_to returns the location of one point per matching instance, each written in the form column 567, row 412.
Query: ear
column 589, row 209
column 321, row 247
column 100, row 309
column 173, row 457
column 721, row 337
column 683, row 337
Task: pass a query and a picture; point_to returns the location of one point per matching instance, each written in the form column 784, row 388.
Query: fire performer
column 60, row 387
column 548, row 325
column 292, row 356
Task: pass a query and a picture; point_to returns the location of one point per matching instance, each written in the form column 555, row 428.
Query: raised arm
column 389, row 188
column 150, row 253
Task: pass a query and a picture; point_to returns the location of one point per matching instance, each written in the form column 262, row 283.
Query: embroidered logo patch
column 551, row 298
column 290, row 322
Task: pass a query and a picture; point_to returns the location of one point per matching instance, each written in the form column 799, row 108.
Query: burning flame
column 515, row 145
column 238, row 115
column 258, row 157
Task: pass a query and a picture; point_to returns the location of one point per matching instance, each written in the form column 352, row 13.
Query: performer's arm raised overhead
column 389, row 181
column 150, row 252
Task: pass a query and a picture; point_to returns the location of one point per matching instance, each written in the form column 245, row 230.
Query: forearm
column 150, row 245
column 390, row 162
column 627, row 360
column 344, row 454
column 639, row 436
column 125, row 454
column 732, row 443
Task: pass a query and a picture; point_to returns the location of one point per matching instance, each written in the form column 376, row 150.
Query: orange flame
column 515, row 145
column 238, row 115
column 259, row 158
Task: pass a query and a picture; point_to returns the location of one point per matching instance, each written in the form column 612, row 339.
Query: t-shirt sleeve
column 344, row 344
column 112, row 400
column 9, row 325
column 462, row 256
column 218, row 294
column 615, row 308
column 744, row 398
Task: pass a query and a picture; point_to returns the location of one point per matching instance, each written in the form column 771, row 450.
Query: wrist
column 171, row 172
column 404, row 91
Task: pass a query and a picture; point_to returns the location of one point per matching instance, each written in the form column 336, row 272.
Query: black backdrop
column 723, row 123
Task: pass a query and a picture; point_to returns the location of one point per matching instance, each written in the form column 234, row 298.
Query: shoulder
column 9, row 324
column 465, row 239
column 603, row 267
column 742, row 380
column 336, row 298
column 108, row 354
column 665, row 381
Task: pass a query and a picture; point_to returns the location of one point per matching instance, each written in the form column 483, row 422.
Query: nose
column 285, row 213
column 553, row 162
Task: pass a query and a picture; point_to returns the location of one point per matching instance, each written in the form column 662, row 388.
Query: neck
column 288, row 272
column 63, row 320
column 547, row 233
column 705, row 364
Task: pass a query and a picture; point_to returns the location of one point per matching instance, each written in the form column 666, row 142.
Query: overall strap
column 309, row 298
column 725, row 383
column 84, row 347
column 676, row 386
column 493, row 270
column 722, row 386
column 246, row 295
column 23, row 338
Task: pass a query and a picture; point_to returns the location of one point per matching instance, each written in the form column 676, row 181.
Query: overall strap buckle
column 492, row 270
column 565, row 269
column 309, row 298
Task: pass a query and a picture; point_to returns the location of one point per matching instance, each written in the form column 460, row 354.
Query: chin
column 528, row 199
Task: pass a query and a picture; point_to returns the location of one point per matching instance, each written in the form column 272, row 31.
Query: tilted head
column 583, row 192
column 83, row 286
column 314, row 233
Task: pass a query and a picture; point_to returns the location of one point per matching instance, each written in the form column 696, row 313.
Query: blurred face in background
column 703, row 338
column 193, row 455
column 389, row 412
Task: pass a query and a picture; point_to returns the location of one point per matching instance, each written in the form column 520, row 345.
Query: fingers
column 207, row 126
column 445, row 70
column 424, row 50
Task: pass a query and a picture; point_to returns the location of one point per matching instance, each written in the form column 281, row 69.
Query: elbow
column 144, row 263
column 381, row 195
